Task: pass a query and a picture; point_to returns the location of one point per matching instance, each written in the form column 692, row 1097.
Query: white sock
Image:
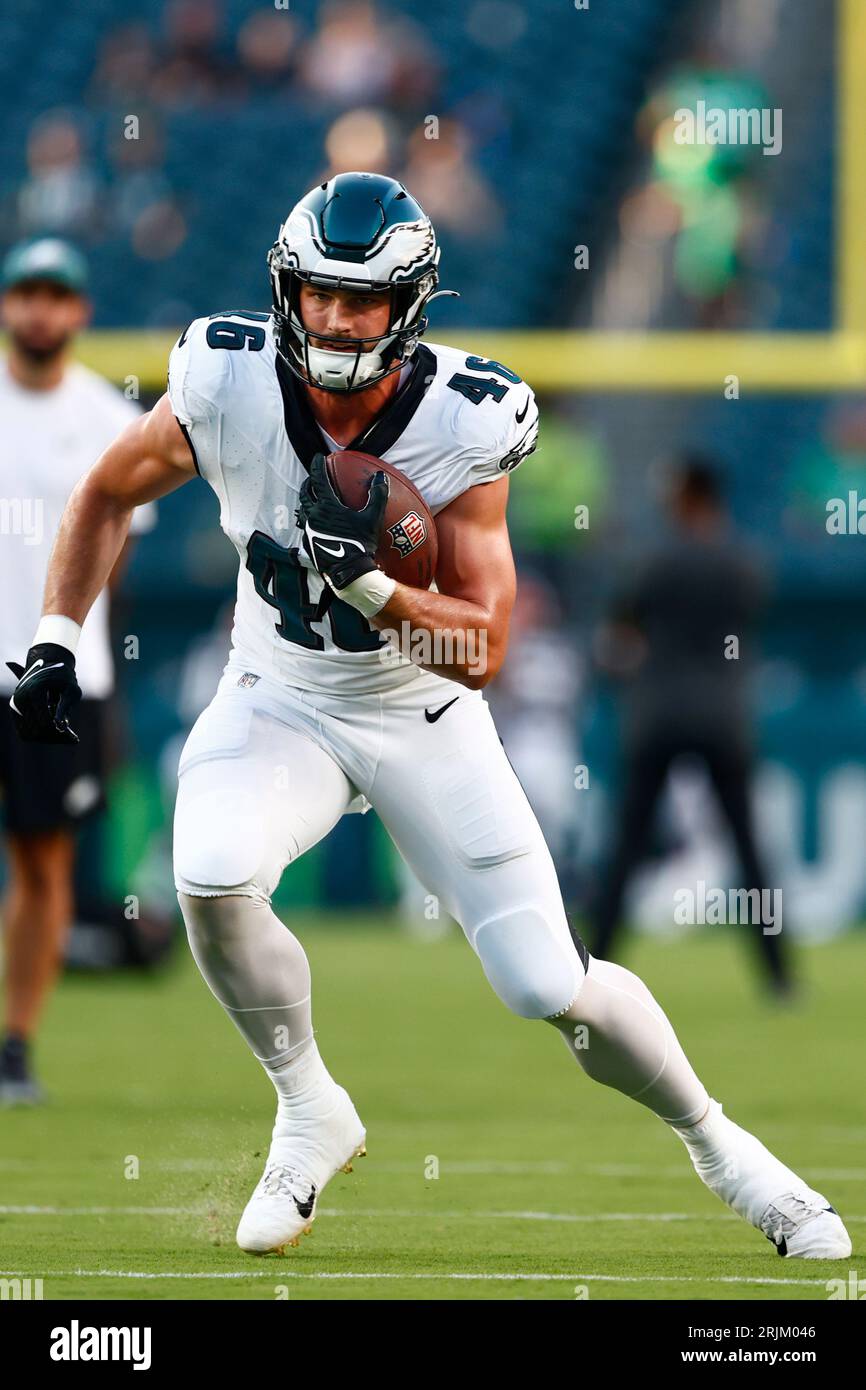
column 300, row 1084
column 736, row 1166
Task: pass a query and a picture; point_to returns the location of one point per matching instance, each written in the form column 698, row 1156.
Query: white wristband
column 62, row 632
column 369, row 593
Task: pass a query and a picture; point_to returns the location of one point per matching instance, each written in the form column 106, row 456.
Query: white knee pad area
column 533, row 966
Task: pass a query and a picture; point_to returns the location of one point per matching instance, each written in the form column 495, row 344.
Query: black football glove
column 46, row 693
column 340, row 541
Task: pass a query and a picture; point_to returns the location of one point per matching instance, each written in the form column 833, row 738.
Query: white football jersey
column 458, row 421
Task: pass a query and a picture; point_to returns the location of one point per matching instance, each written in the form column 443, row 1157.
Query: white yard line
column 101, row 1211
column 278, row 1274
column 646, row 1170
column 407, row 1213
column 489, row 1167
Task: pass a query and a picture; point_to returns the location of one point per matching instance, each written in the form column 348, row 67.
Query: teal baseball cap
column 49, row 258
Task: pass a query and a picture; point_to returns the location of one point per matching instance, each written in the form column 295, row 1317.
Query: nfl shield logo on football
column 408, row 533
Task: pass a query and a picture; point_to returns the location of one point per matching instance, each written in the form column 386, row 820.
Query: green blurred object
column 705, row 258
column 703, row 178
column 568, row 469
column 690, row 166
column 135, row 812
column 818, row 474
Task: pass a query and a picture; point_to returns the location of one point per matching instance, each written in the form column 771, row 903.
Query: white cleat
column 327, row 1134
column 735, row 1165
column 803, row 1225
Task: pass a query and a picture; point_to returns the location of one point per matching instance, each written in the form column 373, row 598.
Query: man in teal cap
column 57, row 418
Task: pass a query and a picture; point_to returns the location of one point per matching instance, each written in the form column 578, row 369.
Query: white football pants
column 268, row 770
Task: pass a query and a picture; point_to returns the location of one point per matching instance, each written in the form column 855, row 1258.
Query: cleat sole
column 360, row 1152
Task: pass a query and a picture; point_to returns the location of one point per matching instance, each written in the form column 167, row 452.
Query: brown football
column 408, row 548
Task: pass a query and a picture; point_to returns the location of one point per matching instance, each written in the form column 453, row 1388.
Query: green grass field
column 548, row 1187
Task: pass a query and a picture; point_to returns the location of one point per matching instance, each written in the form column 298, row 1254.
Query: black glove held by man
column 46, row 693
column 340, row 541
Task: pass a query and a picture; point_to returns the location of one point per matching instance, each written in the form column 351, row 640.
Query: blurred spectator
column 139, row 178
column 671, row 633
column 361, row 139
column 267, row 47
column 194, row 69
column 126, row 65
column 440, row 173
column 831, row 465
column 142, row 204
column 159, row 231
column 534, row 701
column 360, row 55
column 60, row 193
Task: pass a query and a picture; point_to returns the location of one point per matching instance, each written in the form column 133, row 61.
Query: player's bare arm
column 477, row 586
column 149, row 459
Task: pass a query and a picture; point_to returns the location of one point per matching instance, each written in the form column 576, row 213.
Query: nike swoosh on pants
column 437, row 714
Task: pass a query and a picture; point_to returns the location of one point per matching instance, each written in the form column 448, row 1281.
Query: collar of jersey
column 303, row 429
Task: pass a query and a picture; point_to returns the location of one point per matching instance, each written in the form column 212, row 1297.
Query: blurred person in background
column 267, row 49
column 194, row 68
column 443, row 171
column 139, row 181
column 360, row 139
column 534, row 699
column 125, row 68
column 57, row 417
column 686, row 695
column 61, row 192
column 362, row 55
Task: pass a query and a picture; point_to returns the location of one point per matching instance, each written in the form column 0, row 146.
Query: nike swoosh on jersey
column 521, row 417
column 437, row 714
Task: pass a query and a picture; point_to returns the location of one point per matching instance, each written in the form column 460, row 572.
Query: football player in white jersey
column 56, row 417
column 317, row 715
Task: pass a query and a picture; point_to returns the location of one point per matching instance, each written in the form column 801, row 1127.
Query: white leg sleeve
column 256, row 968
column 622, row 1038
